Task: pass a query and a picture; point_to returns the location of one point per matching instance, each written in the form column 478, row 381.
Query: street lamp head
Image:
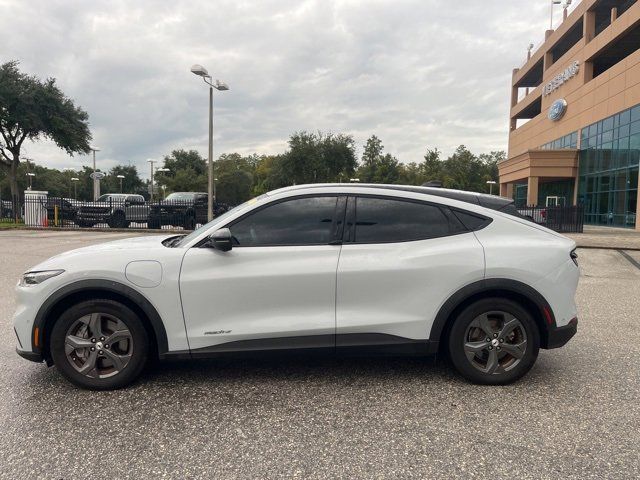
column 162, row 170
column 491, row 182
column 31, row 174
column 199, row 70
column 93, row 148
column 120, row 176
column 75, row 179
column 221, row 86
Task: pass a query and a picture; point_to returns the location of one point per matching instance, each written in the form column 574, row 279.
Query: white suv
column 313, row 268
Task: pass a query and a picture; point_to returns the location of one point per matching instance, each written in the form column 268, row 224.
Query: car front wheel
column 99, row 345
column 494, row 341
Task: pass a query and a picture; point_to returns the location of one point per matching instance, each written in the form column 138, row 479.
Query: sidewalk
column 607, row 237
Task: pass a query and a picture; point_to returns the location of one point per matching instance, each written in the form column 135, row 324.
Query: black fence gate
column 561, row 219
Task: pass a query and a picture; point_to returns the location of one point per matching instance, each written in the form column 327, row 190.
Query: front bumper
column 32, row 356
column 559, row 336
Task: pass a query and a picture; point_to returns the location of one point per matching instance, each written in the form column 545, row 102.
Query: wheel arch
column 83, row 290
column 523, row 294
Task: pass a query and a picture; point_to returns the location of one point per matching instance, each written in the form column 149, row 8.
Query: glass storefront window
column 608, row 169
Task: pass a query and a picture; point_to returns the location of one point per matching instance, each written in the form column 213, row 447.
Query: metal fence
column 56, row 212
column 561, row 219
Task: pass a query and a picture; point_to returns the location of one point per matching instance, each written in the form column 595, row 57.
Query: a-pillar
column 532, row 191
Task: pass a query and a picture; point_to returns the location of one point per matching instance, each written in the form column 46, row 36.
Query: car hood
column 145, row 243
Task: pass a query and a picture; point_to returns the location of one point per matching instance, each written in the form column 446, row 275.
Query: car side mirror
column 221, row 240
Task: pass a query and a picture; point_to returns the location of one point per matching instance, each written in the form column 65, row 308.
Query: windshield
column 215, row 221
column 180, row 196
column 106, row 198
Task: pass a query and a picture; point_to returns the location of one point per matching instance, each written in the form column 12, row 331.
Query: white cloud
column 417, row 73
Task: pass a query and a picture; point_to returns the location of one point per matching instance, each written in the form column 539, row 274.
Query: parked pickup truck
column 118, row 210
column 179, row 209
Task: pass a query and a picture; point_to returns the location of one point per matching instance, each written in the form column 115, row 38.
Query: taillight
column 574, row 256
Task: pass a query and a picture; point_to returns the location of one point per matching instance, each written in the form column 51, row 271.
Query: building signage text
column 562, row 77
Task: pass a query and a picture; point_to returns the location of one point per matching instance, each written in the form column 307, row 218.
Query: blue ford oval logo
column 557, row 109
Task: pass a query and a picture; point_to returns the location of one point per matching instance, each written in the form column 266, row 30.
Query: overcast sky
column 417, row 73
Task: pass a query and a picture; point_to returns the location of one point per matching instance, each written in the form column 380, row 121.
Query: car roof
column 493, row 202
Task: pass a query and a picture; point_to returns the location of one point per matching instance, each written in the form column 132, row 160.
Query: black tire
column 154, row 223
column 118, row 220
column 189, row 222
column 498, row 311
column 139, row 347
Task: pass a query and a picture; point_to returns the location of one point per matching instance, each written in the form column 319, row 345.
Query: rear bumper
column 32, row 356
column 559, row 336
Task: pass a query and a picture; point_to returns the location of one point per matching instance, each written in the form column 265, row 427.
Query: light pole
column 31, row 175
column 151, row 162
column 75, row 181
column 121, row 177
column 491, row 183
column 220, row 86
column 162, row 170
column 96, row 182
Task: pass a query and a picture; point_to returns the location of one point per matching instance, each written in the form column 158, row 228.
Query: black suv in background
column 183, row 209
column 179, row 209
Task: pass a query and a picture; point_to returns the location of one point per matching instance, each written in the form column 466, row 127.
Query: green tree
column 32, row 109
column 316, row 158
column 372, row 151
column 234, row 187
column 187, row 172
column 131, row 183
column 377, row 166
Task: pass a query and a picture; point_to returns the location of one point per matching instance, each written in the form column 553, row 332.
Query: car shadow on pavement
column 299, row 367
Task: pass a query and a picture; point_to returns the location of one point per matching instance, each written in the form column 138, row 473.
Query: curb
column 608, row 247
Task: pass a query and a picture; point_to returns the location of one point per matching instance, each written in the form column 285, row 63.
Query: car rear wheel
column 494, row 341
column 189, row 222
column 99, row 345
column 118, row 220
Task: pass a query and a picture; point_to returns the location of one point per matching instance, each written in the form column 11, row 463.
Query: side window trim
column 351, row 222
column 337, row 229
column 337, row 196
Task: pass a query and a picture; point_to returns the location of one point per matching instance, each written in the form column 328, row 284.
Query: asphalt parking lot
column 576, row 415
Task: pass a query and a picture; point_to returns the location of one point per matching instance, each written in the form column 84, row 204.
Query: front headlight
column 36, row 278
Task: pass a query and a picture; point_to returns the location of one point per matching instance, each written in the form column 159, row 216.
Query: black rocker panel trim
column 109, row 286
column 344, row 344
column 501, row 285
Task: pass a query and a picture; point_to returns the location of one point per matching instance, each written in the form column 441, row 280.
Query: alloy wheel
column 495, row 342
column 98, row 345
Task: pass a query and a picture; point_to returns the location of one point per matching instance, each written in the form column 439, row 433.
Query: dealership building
column 575, row 116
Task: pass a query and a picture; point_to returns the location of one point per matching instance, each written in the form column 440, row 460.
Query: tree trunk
column 13, row 184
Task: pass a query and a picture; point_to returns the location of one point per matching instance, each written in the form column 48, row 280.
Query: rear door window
column 380, row 220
